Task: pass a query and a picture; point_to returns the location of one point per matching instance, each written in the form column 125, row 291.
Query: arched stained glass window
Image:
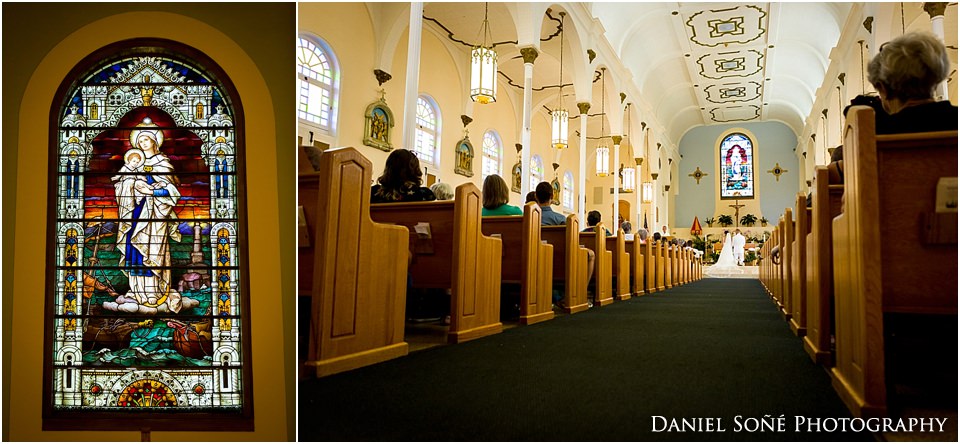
column 428, row 131
column 317, row 78
column 536, row 171
column 736, row 167
column 568, row 190
column 146, row 291
column 492, row 153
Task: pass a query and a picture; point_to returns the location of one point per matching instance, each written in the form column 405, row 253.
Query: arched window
column 536, row 171
column 318, row 79
column 568, row 190
column 428, row 131
column 492, row 153
column 736, row 167
column 147, row 288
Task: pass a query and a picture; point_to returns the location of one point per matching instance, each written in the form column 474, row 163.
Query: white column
column 936, row 10
column 412, row 90
column 616, row 181
column 529, row 56
column 584, row 108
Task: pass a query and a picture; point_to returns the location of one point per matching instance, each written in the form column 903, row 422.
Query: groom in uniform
column 737, row 242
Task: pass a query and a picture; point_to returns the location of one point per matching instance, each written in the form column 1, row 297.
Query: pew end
column 358, row 285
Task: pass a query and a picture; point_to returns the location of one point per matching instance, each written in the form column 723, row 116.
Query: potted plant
column 750, row 258
column 748, row 220
column 710, row 221
column 725, row 220
column 763, row 221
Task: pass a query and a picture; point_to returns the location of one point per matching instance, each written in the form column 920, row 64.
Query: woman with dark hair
column 401, row 180
column 495, row 198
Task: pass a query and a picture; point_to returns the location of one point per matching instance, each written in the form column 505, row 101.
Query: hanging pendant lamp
column 603, row 151
column 560, row 118
column 483, row 67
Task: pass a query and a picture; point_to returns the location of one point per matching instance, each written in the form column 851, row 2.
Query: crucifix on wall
column 736, row 211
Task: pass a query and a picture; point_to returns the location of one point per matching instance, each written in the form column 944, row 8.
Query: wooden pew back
column 798, row 268
column 826, row 205
column 603, row 269
column 570, row 262
column 456, row 256
column 526, row 261
column 894, row 253
column 620, row 265
column 359, row 269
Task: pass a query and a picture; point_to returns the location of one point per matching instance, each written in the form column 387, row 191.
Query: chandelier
column 483, row 67
column 560, row 119
column 603, row 151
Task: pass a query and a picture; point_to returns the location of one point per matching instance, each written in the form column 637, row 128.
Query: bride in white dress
column 726, row 264
column 726, row 258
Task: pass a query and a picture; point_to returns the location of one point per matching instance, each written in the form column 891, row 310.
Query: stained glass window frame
column 427, row 131
column 65, row 417
column 326, row 82
column 568, row 190
column 736, row 144
column 536, row 171
column 492, row 153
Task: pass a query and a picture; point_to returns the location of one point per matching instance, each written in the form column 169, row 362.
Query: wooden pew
column 893, row 253
column 526, row 261
column 785, row 274
column 456, row 256
column 660, row 262
column 826, row 206
column 777, row 273
column 798, row 264
column 570, row 262
column 359, row 272
column 668, row 264
column 641, row 265
column 620, row 265
column 603, row 264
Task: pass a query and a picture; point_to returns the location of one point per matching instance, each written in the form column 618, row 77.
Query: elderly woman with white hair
column 905, row 73
column 442, row 190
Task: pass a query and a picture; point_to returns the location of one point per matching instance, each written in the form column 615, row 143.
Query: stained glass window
column 736, row 167
column 568, row 190
column 492, row 153
column 317, row 80
column 536, row 171
column 428, row 126
column 146, row 308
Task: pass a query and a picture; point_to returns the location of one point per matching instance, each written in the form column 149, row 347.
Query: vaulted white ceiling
column 691, row 64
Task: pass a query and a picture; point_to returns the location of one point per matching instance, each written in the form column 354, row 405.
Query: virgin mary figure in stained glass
column 146, row 193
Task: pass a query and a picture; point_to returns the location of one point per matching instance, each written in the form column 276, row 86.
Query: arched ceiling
column 735, row 62
column 693, row 64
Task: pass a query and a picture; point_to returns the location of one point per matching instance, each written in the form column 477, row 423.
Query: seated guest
column 442, row 190
column 593, row 218
column 495, row 198
column 906, row 72
column 627, row 228
column 531, row 197
column 401, row 180
column 544, row 195
column 643, row 234
column 656, row 236
column 696, row 253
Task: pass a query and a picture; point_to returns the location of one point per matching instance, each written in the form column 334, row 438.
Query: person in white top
column 737, row 242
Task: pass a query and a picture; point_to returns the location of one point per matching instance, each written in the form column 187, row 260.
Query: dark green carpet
column 711, row 349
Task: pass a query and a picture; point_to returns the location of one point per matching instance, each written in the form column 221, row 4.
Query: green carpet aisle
column 710, row 349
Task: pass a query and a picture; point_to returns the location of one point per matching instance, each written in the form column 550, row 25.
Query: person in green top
column 495, row 198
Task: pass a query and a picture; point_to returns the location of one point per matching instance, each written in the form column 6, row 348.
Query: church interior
column 688, row 120
column 718, row 271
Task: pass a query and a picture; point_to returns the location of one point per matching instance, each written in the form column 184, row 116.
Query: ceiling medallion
column 740, row 24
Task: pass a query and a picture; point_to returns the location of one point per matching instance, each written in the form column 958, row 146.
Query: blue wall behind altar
column 775, row 143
